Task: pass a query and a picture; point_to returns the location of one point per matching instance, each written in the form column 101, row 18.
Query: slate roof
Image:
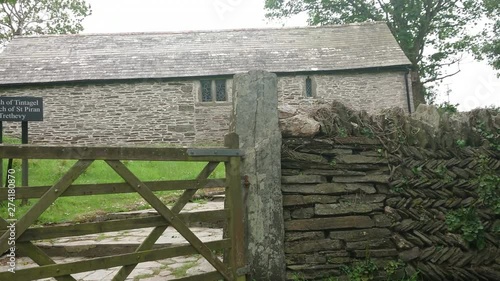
column 59, row 58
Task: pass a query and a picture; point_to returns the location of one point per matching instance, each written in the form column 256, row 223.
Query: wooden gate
column 233, row 245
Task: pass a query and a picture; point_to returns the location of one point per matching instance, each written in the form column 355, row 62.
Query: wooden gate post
column 255, row 120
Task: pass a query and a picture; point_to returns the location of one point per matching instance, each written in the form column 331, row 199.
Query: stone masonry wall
column 162, row 111
column 124, row 113
column 420, row 193
column 333, row 197
column 362, row 91
column 341, row 207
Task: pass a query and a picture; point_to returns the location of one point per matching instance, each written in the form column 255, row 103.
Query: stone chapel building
column 176, row 87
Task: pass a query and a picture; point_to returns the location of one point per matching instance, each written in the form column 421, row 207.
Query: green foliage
column 467, row 222
column 493, row 138
column 10, row 140
column 392, row 267
column 342, row 132
column 400, row 187
column 442, row 173
column 488, row 45
column 361, row 271
column 414, row 277
column 447, row 107
column 30, row 17
column 417, row 171
column 366, row 270
column 367, row 132
column 461, row 143
column 488, row 185
column 298, row 277
column 439, row 27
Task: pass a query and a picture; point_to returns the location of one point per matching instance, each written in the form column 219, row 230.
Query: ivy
column 467, row 222
column 488, row 185
column 492, row 137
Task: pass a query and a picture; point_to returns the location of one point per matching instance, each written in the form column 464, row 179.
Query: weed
column 442, row 173
column 488, row 181
column 361, row 271
column 447, row 107
column 367, row 132
column 182, row 270
column 461, row 143
column 466, row 220
column 342, row 132
column 392, row 267
column 298, row 277
column 417, row 171
column 143, row 276
column 493, row 138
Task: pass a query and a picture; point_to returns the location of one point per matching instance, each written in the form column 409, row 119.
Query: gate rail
column 233, row 245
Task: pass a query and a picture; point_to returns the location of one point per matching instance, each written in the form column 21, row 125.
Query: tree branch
column 441, row 78
column 384, row 9
column 10, row 23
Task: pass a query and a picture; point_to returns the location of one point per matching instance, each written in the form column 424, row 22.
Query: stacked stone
column 344, row 202
column 444, row 182
column 334, row 193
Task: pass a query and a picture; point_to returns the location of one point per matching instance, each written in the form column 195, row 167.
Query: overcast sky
column 476, row 85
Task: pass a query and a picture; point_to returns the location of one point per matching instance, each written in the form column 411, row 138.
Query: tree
column 432, row 33
column 29, row 17
column 489, row 43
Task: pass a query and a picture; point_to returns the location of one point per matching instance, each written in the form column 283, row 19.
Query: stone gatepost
column 255, row 120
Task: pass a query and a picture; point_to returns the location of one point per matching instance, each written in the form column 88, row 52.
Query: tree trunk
column 418, row 89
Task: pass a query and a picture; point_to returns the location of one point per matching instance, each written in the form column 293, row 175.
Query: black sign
column 21, row 109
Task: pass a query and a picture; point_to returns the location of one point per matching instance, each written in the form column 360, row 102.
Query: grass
column 85, row 208
column 182, row 270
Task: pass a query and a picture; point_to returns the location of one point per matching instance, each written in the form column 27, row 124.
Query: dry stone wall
column 334, row 193
column 352, row 199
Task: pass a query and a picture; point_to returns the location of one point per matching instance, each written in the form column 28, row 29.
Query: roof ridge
column 205, row 31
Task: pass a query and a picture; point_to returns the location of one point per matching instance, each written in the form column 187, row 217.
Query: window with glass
column 309, row 87
column 213, row 90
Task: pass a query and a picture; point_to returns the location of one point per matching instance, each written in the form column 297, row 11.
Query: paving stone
column 165, row 273
column 154, row 278
column 136, row 236
column 149, row 265
column 81, row 275
column 176, row 265
column 202, row 266
column 98, row 275
column 140, row 272
column 185, row 259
